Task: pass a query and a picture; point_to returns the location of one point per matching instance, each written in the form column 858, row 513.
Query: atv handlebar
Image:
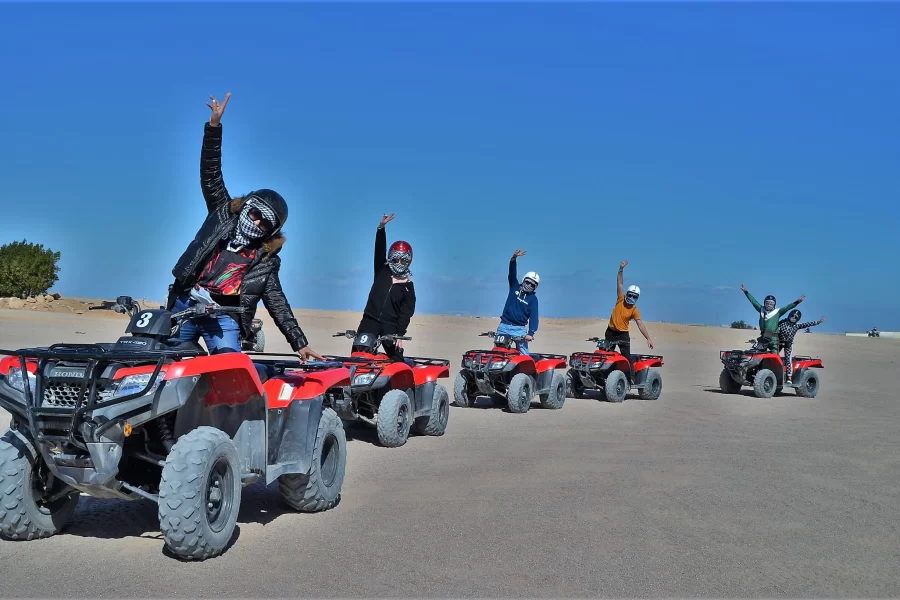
column 515, row 338
column 199, row 310
column 351, row 333
column 122, row 304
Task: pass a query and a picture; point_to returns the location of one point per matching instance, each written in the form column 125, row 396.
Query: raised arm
column 620, row 284
column 752, row 300
column 381, row 242
column 513, row 277
column 211, row 182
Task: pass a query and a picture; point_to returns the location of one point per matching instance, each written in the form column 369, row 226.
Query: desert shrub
column 740, row 325
column 27, row 269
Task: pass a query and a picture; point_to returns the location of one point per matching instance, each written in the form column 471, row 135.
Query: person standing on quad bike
column 234, row 257
column 625, row 311
column 520, row 313
column 392, row 297
column 768, row 319
column 787, row 329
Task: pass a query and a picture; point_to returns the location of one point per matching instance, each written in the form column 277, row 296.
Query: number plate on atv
column 67, row 372
column 366, row 340
column 501, row 339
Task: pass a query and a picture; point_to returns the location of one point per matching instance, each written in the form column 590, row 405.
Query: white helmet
column 532, row 277
column 632, row 293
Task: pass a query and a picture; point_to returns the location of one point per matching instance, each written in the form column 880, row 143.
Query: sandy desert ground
column 695, row 494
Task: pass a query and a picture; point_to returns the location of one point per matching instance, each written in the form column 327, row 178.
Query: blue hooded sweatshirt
column 521, row 309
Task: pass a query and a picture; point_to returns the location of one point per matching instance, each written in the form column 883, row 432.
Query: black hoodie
column 389, row 303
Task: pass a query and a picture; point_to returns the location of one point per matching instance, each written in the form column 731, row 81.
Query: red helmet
column 399, row 258
column 401, row 247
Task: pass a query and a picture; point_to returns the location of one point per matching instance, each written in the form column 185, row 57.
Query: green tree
column 739, row 325
column 27, row 269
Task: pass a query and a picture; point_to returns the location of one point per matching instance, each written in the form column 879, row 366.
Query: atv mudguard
column 547, row 363
column 807, row 362
column 642, row 362
column 521, row 363
column 295, row 403
column 399, row 374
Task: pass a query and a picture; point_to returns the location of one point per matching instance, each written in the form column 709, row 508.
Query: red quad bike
column 149, row 417
column 510, row 377
column 763, row 370
column 608, row 370
column 392, row 395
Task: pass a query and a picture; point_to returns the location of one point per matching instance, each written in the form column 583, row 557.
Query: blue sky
column 708, row 144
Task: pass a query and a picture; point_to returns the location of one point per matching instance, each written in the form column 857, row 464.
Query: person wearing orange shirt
column 623, row 313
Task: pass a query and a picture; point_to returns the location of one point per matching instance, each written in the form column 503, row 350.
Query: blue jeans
column 221, row 333
column 515, row 330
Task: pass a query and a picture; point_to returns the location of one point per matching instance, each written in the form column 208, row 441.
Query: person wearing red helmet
column 392, row 298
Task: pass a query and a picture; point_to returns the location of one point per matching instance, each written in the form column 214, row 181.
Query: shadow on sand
column 118, row 519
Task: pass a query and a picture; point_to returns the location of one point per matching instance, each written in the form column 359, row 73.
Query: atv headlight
column 14, row 377
column 499, row 364
column 133, row 384
column 364, row 379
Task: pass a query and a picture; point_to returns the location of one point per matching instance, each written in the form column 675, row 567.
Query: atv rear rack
column 97, row 358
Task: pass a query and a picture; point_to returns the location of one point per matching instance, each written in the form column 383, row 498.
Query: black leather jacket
column 261, row 279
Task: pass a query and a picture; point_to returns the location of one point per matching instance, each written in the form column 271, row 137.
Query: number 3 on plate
column 145, row 320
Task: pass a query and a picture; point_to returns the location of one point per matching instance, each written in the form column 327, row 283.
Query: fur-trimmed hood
column 273, row 244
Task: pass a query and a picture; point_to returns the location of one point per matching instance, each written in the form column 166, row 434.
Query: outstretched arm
column 620, row 285
column 782, row 311
column 513, row 274
column 381, row 242
column 810, row 324
column 752, row 300
column 646, row 335
column 211, row 182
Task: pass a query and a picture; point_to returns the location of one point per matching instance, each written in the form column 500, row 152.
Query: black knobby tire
column 520, row 393
column 260, row 344
column 435, row 423
column 556, row 398
column 727, row 383
column 320, row 489
column 573, row 386
column 616, row 386
column 200, row 494
column 764, row 383
column 461, row 396
column 395, row 417
column 23, row 515
column 808, row 384
column 652, row 386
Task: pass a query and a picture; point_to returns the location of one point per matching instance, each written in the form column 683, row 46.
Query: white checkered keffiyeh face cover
column 246, row 230
column 399, row 262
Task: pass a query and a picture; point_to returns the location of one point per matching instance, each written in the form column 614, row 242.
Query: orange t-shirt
column 622, row 315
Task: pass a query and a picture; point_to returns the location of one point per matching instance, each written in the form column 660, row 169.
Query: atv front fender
column 292, row 437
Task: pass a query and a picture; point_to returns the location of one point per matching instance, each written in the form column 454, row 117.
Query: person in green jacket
column 768, row 318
